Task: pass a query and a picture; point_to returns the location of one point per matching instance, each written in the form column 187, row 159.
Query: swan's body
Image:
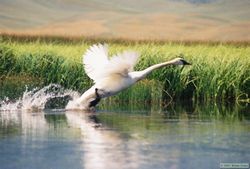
column 111, row 75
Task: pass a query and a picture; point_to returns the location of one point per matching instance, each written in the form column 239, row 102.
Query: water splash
column 39, row 99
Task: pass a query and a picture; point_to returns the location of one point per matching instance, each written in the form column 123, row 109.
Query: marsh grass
column 12, row 87
column 219, row 72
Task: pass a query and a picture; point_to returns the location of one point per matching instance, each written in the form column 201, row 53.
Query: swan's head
column 180, row 61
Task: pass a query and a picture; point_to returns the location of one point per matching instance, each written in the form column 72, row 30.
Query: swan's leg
column 94, row 102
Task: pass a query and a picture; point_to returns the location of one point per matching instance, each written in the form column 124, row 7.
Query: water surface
column 177, row 137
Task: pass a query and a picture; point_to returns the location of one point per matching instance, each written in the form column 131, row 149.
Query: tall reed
column 218, row 72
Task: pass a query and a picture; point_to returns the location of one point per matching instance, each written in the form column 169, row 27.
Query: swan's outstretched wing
column 98, row 66
column 122, row 63
column 95, row 60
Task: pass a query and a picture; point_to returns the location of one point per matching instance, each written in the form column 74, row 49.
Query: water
column 179, row 136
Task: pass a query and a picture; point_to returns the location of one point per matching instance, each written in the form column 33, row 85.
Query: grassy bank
column 218, row 71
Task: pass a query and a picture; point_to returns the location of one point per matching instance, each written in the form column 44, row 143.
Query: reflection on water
column 201, row 137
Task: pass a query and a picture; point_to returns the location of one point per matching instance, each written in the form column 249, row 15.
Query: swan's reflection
column 102, row 148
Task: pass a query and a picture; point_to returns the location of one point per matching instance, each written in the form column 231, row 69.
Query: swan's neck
column 138, row 75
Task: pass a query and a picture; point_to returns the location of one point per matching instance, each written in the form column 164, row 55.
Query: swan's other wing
column 95, row 60
column 98, row 66
column 122, row 63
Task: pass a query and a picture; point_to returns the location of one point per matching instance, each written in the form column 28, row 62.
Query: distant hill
column 223, row 20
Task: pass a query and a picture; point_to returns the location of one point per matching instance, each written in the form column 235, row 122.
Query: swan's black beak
column 185, row 62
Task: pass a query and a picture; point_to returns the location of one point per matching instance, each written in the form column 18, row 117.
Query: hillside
column 223, row 20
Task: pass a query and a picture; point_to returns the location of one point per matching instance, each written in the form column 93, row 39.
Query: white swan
column 111, row 75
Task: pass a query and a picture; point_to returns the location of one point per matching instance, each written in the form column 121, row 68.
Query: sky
column 213, row 20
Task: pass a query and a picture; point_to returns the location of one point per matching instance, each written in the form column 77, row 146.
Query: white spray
column 37, row 99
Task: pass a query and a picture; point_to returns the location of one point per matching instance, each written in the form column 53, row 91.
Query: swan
column 111, row 75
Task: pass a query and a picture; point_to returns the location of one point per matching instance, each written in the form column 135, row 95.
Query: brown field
column 218, row 20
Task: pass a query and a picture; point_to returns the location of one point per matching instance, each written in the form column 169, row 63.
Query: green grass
column 218, row 72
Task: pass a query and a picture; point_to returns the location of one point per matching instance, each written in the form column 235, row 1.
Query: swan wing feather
column 122, row 63
column 97, row 65
column 95, row 60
